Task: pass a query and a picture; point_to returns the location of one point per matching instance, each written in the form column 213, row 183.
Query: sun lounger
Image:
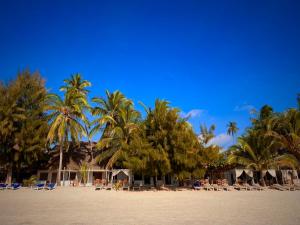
column 208, row 187
column 39, row 186
column 3, row 186
column 137, row 186
column 126, row 186
column 259, row 187
column 217, row 187
column 279, row 187
column 197, row 185
column 99, row 187
column 15, row 186
column 290, row 187
column 50, row 186
column 249, row 187
column 108, row 186
column 240, row 187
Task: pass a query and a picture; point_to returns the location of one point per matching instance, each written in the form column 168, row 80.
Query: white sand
column 78, row 206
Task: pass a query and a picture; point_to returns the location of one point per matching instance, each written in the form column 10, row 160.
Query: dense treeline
column 32, row 121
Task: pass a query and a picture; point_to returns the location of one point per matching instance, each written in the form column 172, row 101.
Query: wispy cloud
column 193, row 113
column 245, row 107
column 223, row 140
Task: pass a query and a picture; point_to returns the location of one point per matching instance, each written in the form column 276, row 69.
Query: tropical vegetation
column 35, row 123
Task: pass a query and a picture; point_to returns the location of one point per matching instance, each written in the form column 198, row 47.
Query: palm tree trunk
column 9, row 175
column 262, row 178
column 60, row 164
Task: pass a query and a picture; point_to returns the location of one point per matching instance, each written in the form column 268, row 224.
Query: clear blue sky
column 217, row 58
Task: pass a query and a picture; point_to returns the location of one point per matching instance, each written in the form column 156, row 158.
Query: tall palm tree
column 232, row 129
column 76, row 85
column 258, row 153
column 285, row 130
column 107, row 110
column 206, row 134
column 65, row 122
column 118, row 121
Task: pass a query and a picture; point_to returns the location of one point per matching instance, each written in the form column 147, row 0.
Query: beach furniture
column 258, row 187
column 206, row 186
column 249, row 187
column 197, row 185
column 126, row 186
column 108, row 186
column 239, row 187
column 50, row 186
column 226, row 186
column 15, row 186
column 99, row 186
column 39, row 186
column 3, row 186
column 137, row 186
column 279, row 187
column 290, row 187
column 218, row 185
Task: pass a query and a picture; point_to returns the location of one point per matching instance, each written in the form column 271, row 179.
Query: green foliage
column 30, row 182
column 67, row 116
column 118, row 121
column 23, row 125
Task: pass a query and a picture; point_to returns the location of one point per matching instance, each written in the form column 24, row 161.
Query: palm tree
column 285, row 130
column 258, row 153
column 118, row 121
column 75, row 85
column 206, row 134
column 65, row 122
column 232, row 129
column 107, row 110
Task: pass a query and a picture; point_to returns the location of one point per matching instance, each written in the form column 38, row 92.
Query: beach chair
column 108, row 186
column 137, row 186
column 39, row 186
column 207, row 186
column 289, row 187
column 50, row 186
column 239, row 187
column 197, row 185
column 258, row 187
column 3, row 186
column 126, row 186
column 249, row 187
column 279, row 187
column 218, row 185
column 15, row 186
column 226, row 186
column 99, row 186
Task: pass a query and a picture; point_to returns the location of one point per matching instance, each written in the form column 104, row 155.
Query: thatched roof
column 73, row 157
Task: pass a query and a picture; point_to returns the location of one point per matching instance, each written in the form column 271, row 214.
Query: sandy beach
column 84, row 206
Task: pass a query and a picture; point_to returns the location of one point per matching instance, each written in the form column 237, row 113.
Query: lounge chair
column 50, row 186
column 279, row 187
column 248, row 187
column 99, row 187
column 39, row 186
column 126, row 186
column 217, row 187
column 15, row 186
column 290, row 187
column 108, row 186
column 137, row 186
column 259, row 187
column 197, row 185
column 3, row 186
column 239, row 187
column 225, row 185
column 208, row 187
